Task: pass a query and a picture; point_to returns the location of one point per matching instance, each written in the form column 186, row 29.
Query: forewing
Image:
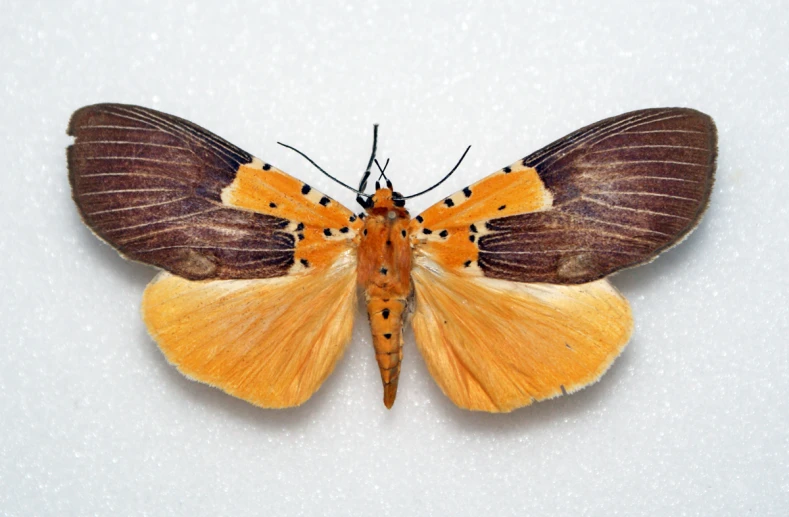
column 494, row 345
column 164, row 191
column 609, row 196
column 271, row 342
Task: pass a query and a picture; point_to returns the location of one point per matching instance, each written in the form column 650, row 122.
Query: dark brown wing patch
column 150, row 184
column 624, row 189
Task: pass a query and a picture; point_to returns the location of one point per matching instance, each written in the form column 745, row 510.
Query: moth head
column 387, row 202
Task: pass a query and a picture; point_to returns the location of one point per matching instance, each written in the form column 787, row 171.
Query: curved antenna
column 442, row 179
column 363, row 182
column 320, row 169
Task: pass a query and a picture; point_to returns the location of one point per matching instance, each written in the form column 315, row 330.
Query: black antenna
column 323, row 171
column 383, row 172
column 363, row 182
column 367, row 203
column 442, row 179
column 385, row 166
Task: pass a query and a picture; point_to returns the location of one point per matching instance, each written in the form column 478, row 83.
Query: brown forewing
column 150, row 183
column 624, row 189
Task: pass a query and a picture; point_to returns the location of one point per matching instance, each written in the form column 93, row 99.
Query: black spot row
column 344, row 229
column 266, row 166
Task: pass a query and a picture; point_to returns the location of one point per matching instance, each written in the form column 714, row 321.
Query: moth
column 504, row 281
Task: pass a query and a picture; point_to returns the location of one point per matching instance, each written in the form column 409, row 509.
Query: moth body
column 384, row 272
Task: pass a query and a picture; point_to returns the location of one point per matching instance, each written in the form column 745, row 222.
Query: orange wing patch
column 512, row 190
column 323, row 227
column 448, row 231
column 493, row 345
column 271, row 342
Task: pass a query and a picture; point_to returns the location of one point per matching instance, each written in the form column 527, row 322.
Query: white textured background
column 693, row 419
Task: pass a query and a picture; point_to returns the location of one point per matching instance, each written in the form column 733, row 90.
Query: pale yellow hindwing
column 271, row 342
column 494, row 345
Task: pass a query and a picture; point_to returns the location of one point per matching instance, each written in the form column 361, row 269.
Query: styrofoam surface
column 692, row 419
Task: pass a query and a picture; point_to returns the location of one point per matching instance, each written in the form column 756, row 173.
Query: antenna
column 323, row 171
column 367, row 203
column 442, row 179
column 383, row 172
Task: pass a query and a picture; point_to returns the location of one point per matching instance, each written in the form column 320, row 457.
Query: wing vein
column 138, row 207
column 629, row 209
column 168, row 220
column 641, row 193
column 649, row 146
column 124, row 191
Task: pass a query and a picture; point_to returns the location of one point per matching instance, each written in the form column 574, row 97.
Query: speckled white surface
column 693, row 419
